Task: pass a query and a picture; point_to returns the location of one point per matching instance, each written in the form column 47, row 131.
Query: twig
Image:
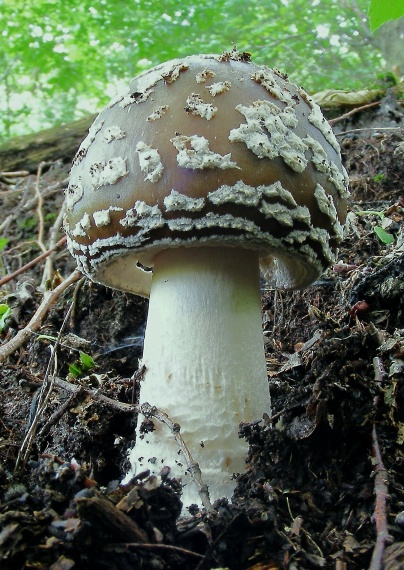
column 16, row 211
column 149, row 411
column 53, row 233
column 154, row 547
column 57, row 414
column 39, row 208
column 382, row 495
column 48, row 191
column 16, row 174
column 368, row 129
column 353, row 111
column 49, row 300
column 41, row 402
column 33, row 262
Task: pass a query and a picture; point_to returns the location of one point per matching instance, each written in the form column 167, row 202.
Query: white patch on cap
column 320, row 158
column 88, row 141
column 277, row 191
column 113, row 134
column 144, row 216
column 135, row 97
column 81, row 228
column 284, row 215
column 73, row 193
column 172, row 69
column 204, row 75
column 323, row 164
column 150, row 162
column 103, row 217
column 277, row 139
column 107, row 173
column 118, row 97
column 268, row 79
column 78, row 231
column 317, row 119
column 196, row 106
column 239, row 193
column 218, row 88
column 157, row 113
column 85, row 222
column 176, row 201
column 194, row 153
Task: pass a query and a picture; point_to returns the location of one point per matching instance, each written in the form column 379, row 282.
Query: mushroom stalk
column 205, row 363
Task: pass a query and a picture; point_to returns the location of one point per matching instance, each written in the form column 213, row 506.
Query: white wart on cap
column 207, row 150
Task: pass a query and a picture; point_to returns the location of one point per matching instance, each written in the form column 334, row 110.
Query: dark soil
column 335, row 355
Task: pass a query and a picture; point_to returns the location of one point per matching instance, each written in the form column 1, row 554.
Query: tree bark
column 56, row 143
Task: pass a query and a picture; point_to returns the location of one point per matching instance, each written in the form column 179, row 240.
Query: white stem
column 205, row 363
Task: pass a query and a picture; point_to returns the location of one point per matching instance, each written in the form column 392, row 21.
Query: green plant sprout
column 4, row 313
column 81, row 366
column 379, row 177
column 381, row 233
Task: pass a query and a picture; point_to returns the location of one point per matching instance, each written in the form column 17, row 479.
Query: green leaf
column 87, row 361
column 384, row 236
column 381, row 11
column 75, row 370
column 4, row 313
column 371, row 213
column 3, row 243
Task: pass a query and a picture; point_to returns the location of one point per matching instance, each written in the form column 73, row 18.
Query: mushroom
column 206, row 169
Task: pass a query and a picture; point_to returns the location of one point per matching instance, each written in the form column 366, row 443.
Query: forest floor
column 325, row 481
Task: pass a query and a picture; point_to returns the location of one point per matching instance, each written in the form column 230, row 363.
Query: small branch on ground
column 33, row 262
column 50, row 298
column 40, row 402
column 149, row 411
column 353, row 111
column 52, row 247
column 382, row 495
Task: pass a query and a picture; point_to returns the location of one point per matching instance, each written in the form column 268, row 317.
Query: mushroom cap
column 207, row 150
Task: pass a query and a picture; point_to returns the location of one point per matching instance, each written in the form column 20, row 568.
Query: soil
column 325, row 471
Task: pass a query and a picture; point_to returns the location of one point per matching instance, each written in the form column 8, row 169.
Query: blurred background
column 60, row 61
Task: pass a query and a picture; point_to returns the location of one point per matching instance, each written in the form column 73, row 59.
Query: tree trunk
column 56, row 143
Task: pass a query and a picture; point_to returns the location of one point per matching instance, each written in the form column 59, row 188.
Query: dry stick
column 41, row 402
column 381, row 479
column 193, row 467
column 49, row 300
column 46, row 193
column 157, row 546
column 39, row 208
column 379, row 515
column 54, row 232
column 30, row 264
column 16, row 174
column 14, row 215
column 368, row 129
column 350, row 113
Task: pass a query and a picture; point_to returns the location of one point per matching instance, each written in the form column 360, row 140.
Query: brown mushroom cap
column 207, row 150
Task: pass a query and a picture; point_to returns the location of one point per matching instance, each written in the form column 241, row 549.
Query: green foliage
column 3, row 243
column 379, row 177
column 381, row 233
column 383, row 236
column 60, row 60
column 4, row 313
column 81, row 366
column 381, row 11
column 28, row 224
